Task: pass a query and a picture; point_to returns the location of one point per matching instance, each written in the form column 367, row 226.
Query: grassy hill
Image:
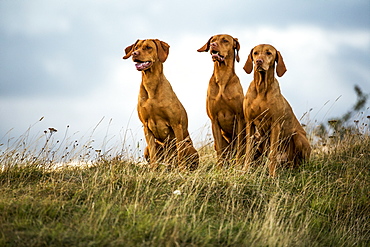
column 118, row 202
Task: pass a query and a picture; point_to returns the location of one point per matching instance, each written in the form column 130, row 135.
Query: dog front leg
column 241, row 139
column 275, row 143
column 249, row 145
column 220, row 144
column 180, row 143
column 152, row 148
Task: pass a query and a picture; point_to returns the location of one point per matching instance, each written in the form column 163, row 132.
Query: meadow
column 64, row 192
column 116, row 201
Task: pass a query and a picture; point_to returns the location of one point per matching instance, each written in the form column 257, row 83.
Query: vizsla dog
column 272, row 127
column 162, row 114
column 225, row 98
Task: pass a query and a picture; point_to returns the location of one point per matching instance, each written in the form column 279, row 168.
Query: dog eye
column 225, row 41
column 148, row 47
column 268, row 53
column 255, row 53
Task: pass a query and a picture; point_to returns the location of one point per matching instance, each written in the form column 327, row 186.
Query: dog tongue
column 142, row 66
column 218, row 57
column 139, row 66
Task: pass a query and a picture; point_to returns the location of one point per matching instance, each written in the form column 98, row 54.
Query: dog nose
column 135, row 53
column 213, row 44
column 259, row 61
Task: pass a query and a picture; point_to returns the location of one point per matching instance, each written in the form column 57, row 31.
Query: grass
column 120, row 202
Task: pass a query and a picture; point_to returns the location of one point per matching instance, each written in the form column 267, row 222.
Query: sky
column 61, row 61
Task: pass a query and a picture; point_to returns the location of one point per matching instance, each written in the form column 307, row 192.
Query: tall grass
column 116, row 201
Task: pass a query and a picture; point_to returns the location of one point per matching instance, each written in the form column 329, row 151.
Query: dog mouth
column 260, row 69
column 142, row 65
column 216, row 56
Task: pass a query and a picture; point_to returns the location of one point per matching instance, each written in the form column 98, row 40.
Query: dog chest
column 255, row 109
column 156, row 115
column 167, row 108
column 160, row 129
column 226, row 120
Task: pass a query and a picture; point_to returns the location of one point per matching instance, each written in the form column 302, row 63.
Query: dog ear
column 237, row 48
column 248, row 67
column 206, row 46
column 163, row 49
column 129, row 50
column 280, row 67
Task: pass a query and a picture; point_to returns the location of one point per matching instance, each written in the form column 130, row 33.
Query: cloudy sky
column 62, row 60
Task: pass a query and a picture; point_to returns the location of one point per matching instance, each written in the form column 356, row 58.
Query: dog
column 163, row 116
column 225, row 96
column 272, row 127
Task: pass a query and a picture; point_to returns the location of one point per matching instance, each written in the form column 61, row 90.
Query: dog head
column 263, row 57
column 147, row 52
column 222, row 46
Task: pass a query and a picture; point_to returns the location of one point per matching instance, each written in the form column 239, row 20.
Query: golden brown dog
column 225, row 98
column 271, row 124
column 162, row 114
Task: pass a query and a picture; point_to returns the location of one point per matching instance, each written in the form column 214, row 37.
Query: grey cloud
column 211, row 17
column 61, row 49
column 327, row 14
column 354, row 60
column 25, row 59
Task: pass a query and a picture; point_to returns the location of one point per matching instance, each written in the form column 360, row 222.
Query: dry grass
column 116, row 201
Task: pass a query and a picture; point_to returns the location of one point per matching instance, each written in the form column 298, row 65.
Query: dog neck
column 264, row 80
column 224, row 70
column 152, row 77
